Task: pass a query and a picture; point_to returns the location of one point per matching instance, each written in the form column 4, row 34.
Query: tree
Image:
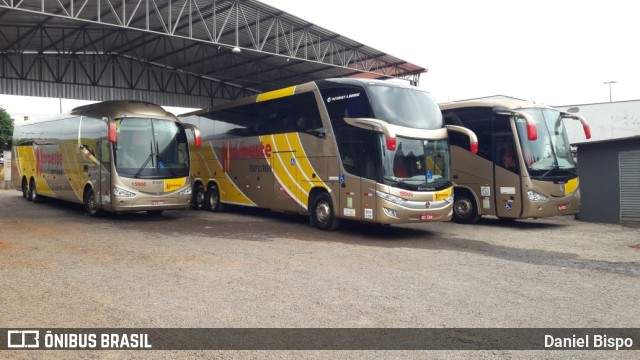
column 6, row 129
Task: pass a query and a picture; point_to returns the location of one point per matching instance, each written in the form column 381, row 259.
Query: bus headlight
column 390, row 212
column 534, row 196
column 392, row 198
column 576, row 194
column 122, row 192
column 186, row 191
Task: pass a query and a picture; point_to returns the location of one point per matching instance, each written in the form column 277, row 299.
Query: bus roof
column 110, row 109
column 319, row 84
column 500, row 102
column 120, row 108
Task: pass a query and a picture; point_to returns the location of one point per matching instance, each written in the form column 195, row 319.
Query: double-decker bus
column 118, row 156
column 366, row 150
column 524, row 167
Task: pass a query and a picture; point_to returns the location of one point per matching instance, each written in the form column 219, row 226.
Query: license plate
column 563, row 207
column 157, row 202
column 425, row 217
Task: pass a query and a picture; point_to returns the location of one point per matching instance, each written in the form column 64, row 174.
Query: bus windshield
column 417, row 164
column 550, row 154
column 405, row 107
column 151, row 149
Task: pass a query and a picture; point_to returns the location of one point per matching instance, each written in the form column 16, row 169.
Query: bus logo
column 20, row 339
column 173, row 184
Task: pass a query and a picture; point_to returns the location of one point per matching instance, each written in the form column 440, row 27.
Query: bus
column 524, row 166
column 366, row 150
column 115, row 156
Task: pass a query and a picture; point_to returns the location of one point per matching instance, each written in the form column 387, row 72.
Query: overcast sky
column 557, row 52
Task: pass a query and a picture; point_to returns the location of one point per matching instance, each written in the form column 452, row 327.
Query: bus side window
column 459, row 139
column 105, row 154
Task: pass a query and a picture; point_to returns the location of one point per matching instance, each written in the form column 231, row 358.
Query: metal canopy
column 190, row 53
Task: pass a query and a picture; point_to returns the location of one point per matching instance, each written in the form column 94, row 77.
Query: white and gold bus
column 524, row 167
column 365, row 150
column 118, row 156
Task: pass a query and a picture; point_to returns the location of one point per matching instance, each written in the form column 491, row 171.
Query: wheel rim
column 91, row 203
column 463, row 207
column 323, row 212
column 200, row 198
column 32, row 191
column 213, row 198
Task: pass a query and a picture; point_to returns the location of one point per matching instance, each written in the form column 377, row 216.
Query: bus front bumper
column 131, row 204
column 554, row 206
column 391, row 213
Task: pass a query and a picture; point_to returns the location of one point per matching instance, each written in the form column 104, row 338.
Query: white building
column 611, row 120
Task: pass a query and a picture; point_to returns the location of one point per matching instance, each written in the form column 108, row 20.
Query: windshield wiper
column 143, row 165
column 555, row 167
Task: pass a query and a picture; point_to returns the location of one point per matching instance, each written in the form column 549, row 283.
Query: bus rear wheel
column 465, row 210
column 90, row 203
column 212, row 202
column 322, row 215
column 25, row 189
column 32, row 195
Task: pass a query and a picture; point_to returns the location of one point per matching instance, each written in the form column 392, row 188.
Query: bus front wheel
column 465, row 210
column 90, row 203
column 199, row 197
column 322, row 215
column 212, row 202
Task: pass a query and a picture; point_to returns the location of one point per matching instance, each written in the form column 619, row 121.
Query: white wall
column 607, row 120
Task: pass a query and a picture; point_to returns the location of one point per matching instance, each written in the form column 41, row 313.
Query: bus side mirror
column 197, row 137
column 113, row 132
column 532, row 131
column 585, row 126
column 587, row 130
column 532, row 128
column 473, row 139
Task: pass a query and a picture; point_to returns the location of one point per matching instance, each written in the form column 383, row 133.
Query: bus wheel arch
column 322, row 212
column 212, row 198
column 89, row 201
column 465, row 206
column 199, row 196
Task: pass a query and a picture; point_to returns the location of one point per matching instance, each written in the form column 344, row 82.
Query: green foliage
column 6, row 129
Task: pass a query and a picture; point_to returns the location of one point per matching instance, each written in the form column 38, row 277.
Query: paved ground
column 60, row 268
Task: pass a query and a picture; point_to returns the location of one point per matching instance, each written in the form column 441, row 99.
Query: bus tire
column 465, row 209
column 90, row 204
column 25, row 188
column 322, row 213
column 199, row 197
column 33, row 192
column 212, row 199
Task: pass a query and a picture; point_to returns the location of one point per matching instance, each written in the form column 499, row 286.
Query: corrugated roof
column 231, row 47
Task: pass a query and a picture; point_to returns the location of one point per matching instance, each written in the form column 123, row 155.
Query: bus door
column 369, row 206
column 285, row 187
column 102, row 186
column 94, row 153
column 91, row 166
column 507, row 184
column 350, row 195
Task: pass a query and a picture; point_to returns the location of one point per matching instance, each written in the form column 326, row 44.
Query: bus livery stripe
column 276, row 94
column 233, row 197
